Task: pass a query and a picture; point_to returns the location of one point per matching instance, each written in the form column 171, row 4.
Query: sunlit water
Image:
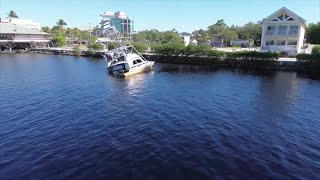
column 65, row 118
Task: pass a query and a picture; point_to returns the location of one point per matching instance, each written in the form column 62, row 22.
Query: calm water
column 65, row 118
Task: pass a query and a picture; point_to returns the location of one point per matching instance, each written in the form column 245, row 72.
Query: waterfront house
column 15, row 36
column 284, row 32
column 241, row 42
column 185, row 38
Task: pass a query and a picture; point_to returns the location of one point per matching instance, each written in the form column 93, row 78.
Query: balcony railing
column 279, row 48
column 271, row 32
column 282, row 32
column 293, row 32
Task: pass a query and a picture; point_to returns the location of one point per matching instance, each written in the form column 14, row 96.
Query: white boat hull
column 145, row 67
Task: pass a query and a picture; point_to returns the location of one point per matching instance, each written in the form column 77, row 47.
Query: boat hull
column 146, row 68
column 149, row 66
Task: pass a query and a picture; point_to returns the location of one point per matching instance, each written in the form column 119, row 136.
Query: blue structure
column 122, row 23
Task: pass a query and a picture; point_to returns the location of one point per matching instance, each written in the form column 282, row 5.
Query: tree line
column 61, row 35
column 220, row 30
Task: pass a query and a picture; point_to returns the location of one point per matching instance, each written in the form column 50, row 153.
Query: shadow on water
column 313, row 76
column 175, row 68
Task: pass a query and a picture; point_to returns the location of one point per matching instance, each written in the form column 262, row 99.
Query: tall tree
column 250, row 31
column 61, row 23
column 46, row 29
column 221, row 23
column 221, row 30
column 313, row 33
column 12, row 14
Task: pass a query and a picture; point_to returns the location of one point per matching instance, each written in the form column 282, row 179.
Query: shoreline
column 218, row 62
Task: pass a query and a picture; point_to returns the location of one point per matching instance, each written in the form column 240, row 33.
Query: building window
column 271, row 42
column 271, row 30
column 281, row 42
column 292, row 42
column 282, row 30
column 293, row 30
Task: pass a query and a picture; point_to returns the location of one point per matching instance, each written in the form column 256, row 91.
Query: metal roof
column 8, row 28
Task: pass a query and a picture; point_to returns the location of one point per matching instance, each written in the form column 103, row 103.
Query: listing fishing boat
column 124, row 60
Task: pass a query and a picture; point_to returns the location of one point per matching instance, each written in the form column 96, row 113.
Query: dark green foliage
column 316, row 50
column 308, row 57
column 93, row 54
column 313, row 33
column 252, row 55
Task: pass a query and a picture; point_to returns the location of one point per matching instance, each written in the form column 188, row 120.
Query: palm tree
column 61, row 23
column 12, row 14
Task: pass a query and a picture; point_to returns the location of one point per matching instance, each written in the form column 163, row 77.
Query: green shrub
column 96, row 46
column 308, row 57
column 207, row 51
column 169, row 49
column 140, row 47
column 59, row 41
column 316, row 50
column 76, row 51
column 252, row 55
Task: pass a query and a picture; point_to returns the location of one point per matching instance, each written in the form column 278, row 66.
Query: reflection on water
column 173, row 68
column 135, row 84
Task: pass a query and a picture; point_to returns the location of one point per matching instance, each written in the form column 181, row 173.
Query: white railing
column 279, row 48
column 282, row 32
column 293, row 32
column 270, row 32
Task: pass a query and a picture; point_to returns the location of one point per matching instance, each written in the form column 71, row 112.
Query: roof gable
column 285, row 15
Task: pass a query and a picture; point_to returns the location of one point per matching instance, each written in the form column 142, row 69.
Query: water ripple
column 65, row 118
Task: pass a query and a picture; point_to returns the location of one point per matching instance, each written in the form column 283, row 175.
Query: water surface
column 64, row 118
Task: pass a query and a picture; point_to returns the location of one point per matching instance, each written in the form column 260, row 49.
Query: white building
column 283, row 31
column 14, row 36
column 194, row 42
column 24, row 23
column 185, row 37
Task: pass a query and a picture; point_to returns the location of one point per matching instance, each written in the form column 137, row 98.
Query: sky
column 183, row 15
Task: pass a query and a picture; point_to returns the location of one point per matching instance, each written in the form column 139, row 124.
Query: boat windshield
column 137, row 61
